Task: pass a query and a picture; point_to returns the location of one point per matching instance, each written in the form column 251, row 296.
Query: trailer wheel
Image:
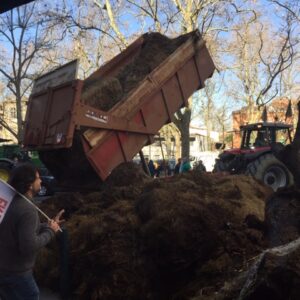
column 5, row 170
column 270, row 171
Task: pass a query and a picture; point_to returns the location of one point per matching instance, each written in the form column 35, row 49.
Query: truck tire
column 272, row 172
column 5, row 169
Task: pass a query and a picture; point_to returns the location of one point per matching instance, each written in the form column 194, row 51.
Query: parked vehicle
column 257, row 154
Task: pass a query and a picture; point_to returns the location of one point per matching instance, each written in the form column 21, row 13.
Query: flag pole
column 29, row 201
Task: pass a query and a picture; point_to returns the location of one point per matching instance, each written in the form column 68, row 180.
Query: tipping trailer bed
column 77, row 140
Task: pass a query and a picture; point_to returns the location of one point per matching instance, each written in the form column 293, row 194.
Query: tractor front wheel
column 5, row 170
column 272, row 172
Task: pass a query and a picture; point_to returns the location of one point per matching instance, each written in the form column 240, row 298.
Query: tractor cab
column 265, row 134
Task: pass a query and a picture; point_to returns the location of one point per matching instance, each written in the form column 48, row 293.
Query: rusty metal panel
column 59, row 118
column 173, row 94
column 189, row 79
column 49, row 120
column 118, row 147
column 154, row 112
column 62, row 74
column 103, row 158
column 205, row 64
column 34, row 128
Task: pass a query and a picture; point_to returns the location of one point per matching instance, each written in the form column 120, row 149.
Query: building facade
column 8, row 114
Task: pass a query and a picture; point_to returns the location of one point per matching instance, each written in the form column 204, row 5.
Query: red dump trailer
column 75, row 139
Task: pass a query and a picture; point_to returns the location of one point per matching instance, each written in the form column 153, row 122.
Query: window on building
column 13, row 113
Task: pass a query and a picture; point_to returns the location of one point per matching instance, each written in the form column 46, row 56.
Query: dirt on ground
column 191, row 236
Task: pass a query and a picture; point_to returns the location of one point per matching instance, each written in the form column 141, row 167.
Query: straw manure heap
column 104, row 93
column 140, row 238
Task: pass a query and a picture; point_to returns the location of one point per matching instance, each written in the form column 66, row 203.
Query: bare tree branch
column 4, row 124
column 288, row 8
column 283, row 61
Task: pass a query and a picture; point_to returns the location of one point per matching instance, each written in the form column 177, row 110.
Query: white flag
column 6, row 196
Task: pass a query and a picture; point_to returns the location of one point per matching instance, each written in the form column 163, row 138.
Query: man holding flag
column 21, row 233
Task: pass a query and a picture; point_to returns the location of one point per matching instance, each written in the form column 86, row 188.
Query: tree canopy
column 254, row 45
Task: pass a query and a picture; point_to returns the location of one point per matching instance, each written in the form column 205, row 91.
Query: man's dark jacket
column 21, row 236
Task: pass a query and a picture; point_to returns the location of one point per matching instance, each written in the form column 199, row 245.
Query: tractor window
column 252, row 138
column 255, row 138
column 282, row 136
column 264, row 136
column 261, row 138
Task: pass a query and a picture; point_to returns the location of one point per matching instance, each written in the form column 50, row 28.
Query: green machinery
column 11, row 154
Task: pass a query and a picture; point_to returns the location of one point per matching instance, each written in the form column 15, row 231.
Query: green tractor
column 11, row 154
column 8, row 158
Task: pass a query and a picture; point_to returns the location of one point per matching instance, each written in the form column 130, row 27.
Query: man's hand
column 54, row 226
column 58, row 216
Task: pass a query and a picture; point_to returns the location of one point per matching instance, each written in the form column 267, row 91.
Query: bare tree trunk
column 183, row 124
column 208, row 138
column 19, row 114
column 178, row 146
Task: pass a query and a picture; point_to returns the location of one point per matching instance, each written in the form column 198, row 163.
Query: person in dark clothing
column 158, row 169
column 151, row 168
column 22, row 236
column 260, row 140
column 163, row 169
column 185, row 165
column 200, row 166
column 177, row 166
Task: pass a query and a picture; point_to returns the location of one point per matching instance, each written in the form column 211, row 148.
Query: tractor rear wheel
column 5, row 170
column 270, row 171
